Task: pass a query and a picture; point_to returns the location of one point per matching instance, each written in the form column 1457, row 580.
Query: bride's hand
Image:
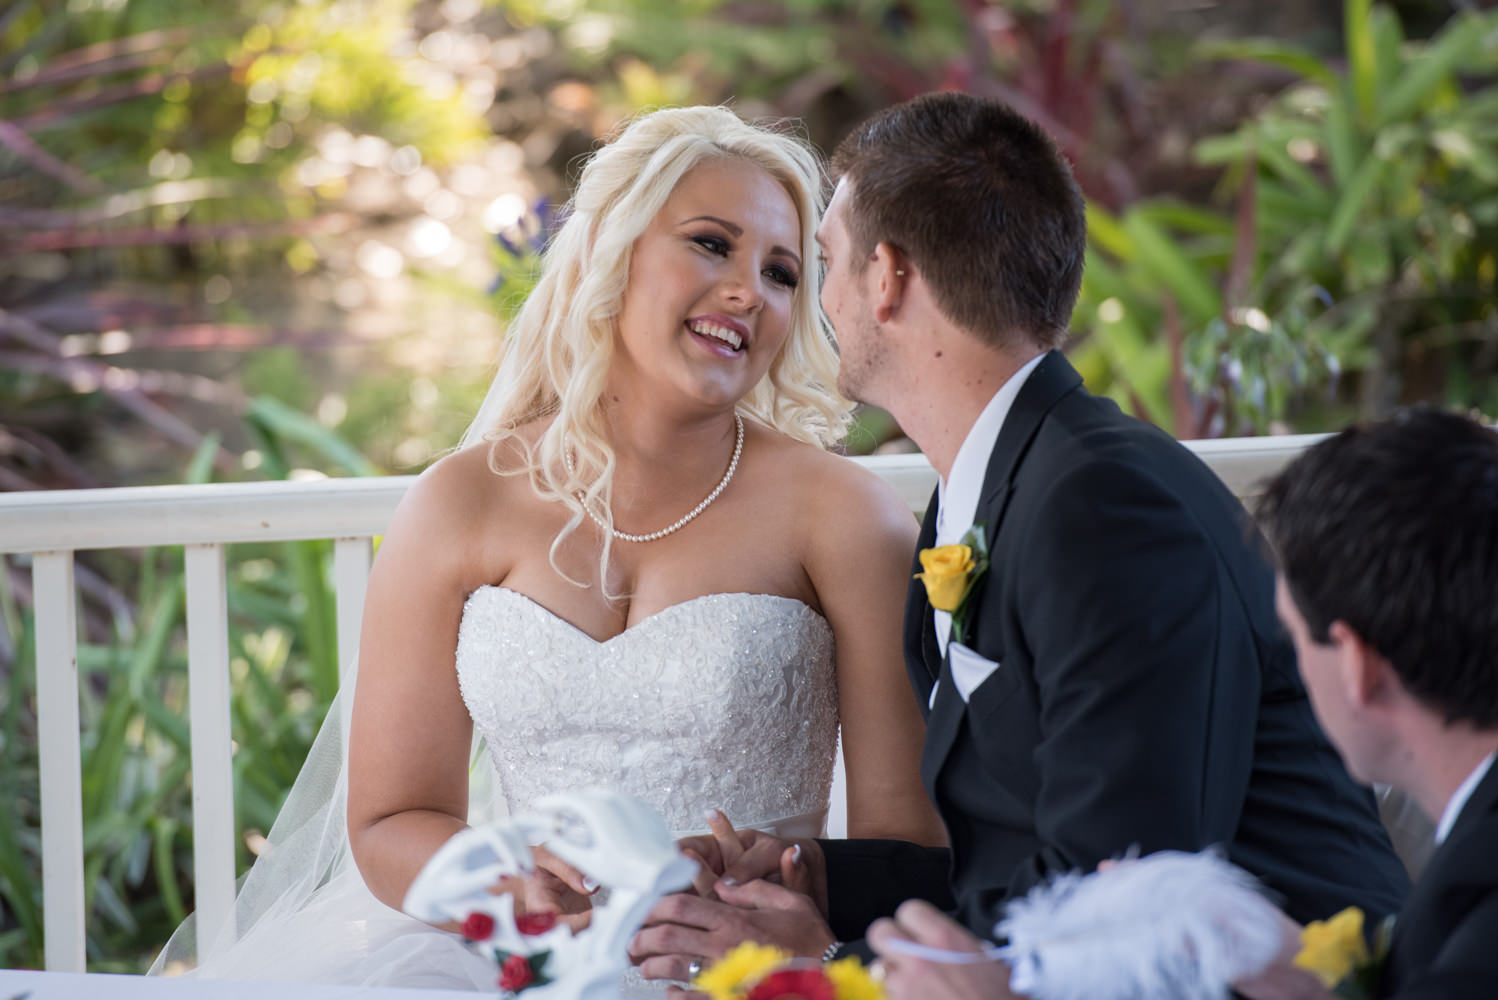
column 721, row 847
column 557, row 887
column 743, row 854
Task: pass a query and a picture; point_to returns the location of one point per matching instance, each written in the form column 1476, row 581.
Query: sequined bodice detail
column 726, row 700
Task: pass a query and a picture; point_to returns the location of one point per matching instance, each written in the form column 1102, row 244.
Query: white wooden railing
column 51, row 526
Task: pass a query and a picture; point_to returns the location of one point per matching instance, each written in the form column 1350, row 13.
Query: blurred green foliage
column 1364, row 244
column 152, row 153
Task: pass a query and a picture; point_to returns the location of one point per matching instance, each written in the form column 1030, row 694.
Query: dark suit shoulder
column 1106, row 499
column 1107, row 458
column 1083, row 427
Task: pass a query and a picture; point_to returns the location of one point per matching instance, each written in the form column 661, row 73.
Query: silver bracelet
column 831, row 952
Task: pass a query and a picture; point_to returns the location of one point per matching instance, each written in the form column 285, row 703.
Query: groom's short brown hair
column 981, row 201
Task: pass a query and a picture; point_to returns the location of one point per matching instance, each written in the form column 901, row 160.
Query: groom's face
column 863, row 351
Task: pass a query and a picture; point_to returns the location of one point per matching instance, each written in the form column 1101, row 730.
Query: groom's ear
column 889, row 275
column 1365, row 675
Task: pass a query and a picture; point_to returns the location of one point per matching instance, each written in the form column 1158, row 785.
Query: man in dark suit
column 1387, row 538
column 1115, row 678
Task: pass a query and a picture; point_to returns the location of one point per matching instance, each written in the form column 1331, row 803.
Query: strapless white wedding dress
column 726, row 700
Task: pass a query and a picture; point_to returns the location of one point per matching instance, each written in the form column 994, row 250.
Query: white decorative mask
column 612, row 838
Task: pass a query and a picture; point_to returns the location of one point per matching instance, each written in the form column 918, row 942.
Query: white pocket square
column 969, row 669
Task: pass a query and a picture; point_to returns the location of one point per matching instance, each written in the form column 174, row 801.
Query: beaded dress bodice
column 726, row 700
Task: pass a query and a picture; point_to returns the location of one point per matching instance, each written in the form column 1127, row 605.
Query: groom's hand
column 683, row 927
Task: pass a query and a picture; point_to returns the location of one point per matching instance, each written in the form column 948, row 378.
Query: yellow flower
column 851, row 980
column 1332, row 949
column 731, row 975
column 947, row 568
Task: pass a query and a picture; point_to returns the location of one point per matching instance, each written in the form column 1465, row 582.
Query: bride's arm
column 859, row 547
column 411, row 734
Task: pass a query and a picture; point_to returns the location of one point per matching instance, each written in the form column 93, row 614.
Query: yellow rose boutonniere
column 951, row 571
column 1335, row 952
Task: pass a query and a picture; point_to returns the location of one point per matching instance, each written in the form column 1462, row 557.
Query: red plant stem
column 26, row 148
column 74, row 239
column 119, row 63
column 60, row 110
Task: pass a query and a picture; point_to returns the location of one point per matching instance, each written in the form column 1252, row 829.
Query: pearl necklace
column 733, row 465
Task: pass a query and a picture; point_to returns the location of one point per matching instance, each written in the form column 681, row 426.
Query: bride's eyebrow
column 732, row 227
column 737, row 230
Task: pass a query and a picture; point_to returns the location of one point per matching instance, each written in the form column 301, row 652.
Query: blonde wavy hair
column 557, row 353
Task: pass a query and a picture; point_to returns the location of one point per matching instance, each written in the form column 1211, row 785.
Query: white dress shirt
column 958, row 494
column 1460, row 796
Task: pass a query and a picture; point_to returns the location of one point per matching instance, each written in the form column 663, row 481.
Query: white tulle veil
column 302, row 911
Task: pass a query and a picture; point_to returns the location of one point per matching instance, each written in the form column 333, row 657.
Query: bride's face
column 711, row 285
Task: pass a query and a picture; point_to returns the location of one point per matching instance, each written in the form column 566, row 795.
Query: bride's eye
column 712, row 244
column 782, row 275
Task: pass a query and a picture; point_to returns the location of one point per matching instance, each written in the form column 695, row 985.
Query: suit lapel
column 942, row 726
column 1053, row 378
column 1050, row 380
column 922, row 654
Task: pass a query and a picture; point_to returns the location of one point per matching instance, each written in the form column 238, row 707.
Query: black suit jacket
column 1145, row 693
column 1445, row 941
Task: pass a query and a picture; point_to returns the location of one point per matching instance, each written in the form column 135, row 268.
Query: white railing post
column 213, row 830
column 61, row 770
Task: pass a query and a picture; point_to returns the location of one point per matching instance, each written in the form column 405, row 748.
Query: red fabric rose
column 535, row 923
column 794, row 984
column 515, row 974
column 478, row 926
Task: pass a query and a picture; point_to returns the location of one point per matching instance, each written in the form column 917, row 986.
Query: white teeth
column 729, row 337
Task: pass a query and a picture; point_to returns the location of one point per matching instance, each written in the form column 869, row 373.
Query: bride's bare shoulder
column 825, row 479
column 451, row 513
column 457, row 486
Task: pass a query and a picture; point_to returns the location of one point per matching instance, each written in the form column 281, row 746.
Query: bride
column 641, row 570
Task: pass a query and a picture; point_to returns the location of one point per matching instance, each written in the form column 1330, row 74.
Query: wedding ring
column 694, row 968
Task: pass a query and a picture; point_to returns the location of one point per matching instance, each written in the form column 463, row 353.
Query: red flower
column 478, row 926
column 515, row 974
column 794, row 984
column 535, row 923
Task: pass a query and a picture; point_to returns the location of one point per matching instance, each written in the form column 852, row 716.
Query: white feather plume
column 1168, row 926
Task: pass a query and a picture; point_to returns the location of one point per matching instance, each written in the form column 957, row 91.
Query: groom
column 1115, row 677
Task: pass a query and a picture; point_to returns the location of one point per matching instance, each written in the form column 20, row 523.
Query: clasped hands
column 752, row 886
